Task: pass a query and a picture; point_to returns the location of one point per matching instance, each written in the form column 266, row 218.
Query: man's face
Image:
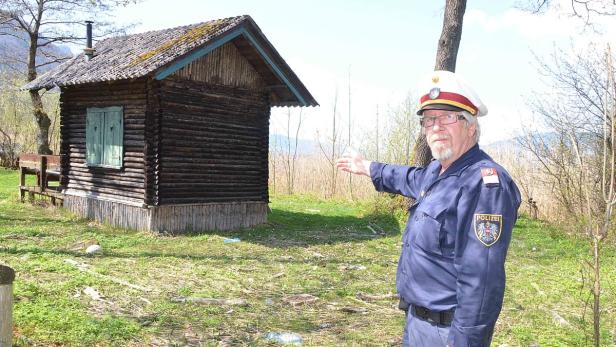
column 448, row 141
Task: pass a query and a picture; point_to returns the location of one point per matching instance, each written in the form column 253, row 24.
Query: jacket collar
column 469, row 157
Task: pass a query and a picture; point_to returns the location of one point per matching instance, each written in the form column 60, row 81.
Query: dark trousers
column 422, row 333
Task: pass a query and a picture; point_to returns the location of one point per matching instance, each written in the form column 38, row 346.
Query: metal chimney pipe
column 89, row 33
column 89, row 51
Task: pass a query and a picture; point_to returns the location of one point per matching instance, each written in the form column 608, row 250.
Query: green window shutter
column 94, row 137
column 113, row 151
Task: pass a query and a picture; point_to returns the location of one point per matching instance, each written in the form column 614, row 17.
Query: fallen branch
column 84, row 267
column 368, row 297
column 350, row 309
column 380, row 230
column 372, row 229
column 300, row 299
column 280, row 274
column 209, row 301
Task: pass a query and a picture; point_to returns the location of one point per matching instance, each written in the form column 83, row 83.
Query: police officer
column 451, row 272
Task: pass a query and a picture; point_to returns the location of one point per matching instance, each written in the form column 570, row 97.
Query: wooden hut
column 168, row 130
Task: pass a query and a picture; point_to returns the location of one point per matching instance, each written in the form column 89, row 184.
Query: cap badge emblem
column 434, row 93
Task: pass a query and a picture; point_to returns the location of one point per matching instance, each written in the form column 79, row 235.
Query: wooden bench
column 47, row 169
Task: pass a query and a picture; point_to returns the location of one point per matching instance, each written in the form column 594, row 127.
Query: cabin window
column 105, row 137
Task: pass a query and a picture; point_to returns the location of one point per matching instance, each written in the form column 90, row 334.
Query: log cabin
column 168, row 130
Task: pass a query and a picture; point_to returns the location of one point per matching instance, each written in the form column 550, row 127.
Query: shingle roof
column 158, row 52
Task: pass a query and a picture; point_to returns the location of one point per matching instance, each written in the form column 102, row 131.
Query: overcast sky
column 389, row 46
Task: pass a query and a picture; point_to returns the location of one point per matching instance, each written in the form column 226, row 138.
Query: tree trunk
column 446, row 56
column 42, row 119
column 43, row 122
column 451, row 35
column 596, row 292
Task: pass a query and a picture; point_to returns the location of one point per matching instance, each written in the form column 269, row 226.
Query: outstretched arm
column 396, row 179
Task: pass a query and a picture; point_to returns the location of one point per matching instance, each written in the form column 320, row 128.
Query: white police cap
column 448, row 91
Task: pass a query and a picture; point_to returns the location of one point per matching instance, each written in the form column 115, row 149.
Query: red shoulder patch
column 489, row 175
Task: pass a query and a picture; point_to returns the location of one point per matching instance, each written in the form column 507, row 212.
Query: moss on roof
column 192, row 35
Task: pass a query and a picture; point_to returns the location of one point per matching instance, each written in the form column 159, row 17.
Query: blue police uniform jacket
column 456, row 239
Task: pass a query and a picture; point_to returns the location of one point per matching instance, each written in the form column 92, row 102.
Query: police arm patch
column 488, row 227
column 489, row 175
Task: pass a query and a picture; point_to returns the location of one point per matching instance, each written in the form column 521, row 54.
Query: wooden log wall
column 152, row 142
column 127, row 183
column 214, row 144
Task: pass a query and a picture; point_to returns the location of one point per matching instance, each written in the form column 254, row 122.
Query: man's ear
column 472, row 128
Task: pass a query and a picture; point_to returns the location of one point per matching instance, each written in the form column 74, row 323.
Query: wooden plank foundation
column 174, row 219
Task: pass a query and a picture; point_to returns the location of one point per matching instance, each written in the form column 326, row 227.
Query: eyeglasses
column 450, row 118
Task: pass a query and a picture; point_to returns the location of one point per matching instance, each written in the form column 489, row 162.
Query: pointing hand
column 354, row 163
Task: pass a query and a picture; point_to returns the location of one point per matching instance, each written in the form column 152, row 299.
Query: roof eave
column 293, row 104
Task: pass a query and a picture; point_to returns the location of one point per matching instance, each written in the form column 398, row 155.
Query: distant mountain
column 17, row 47
column 503, row 146
column 280, row 143
column 547, row 139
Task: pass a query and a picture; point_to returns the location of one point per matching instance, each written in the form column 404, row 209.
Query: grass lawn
column 138, row 291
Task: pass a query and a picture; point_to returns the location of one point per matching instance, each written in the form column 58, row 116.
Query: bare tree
column 8, row 147
column 377, row 141
column 43, row 24
column 597, row 222
column 585, row 10
column 391, row 142
column 333, row 152
column 580, row 112
column 521, row 165
column 16, row 129
column 575, row 101
column 608, row 188
column 555, row 159
column 291, row 151
column 401, row 132
column 349, row 137
column 272, row 162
